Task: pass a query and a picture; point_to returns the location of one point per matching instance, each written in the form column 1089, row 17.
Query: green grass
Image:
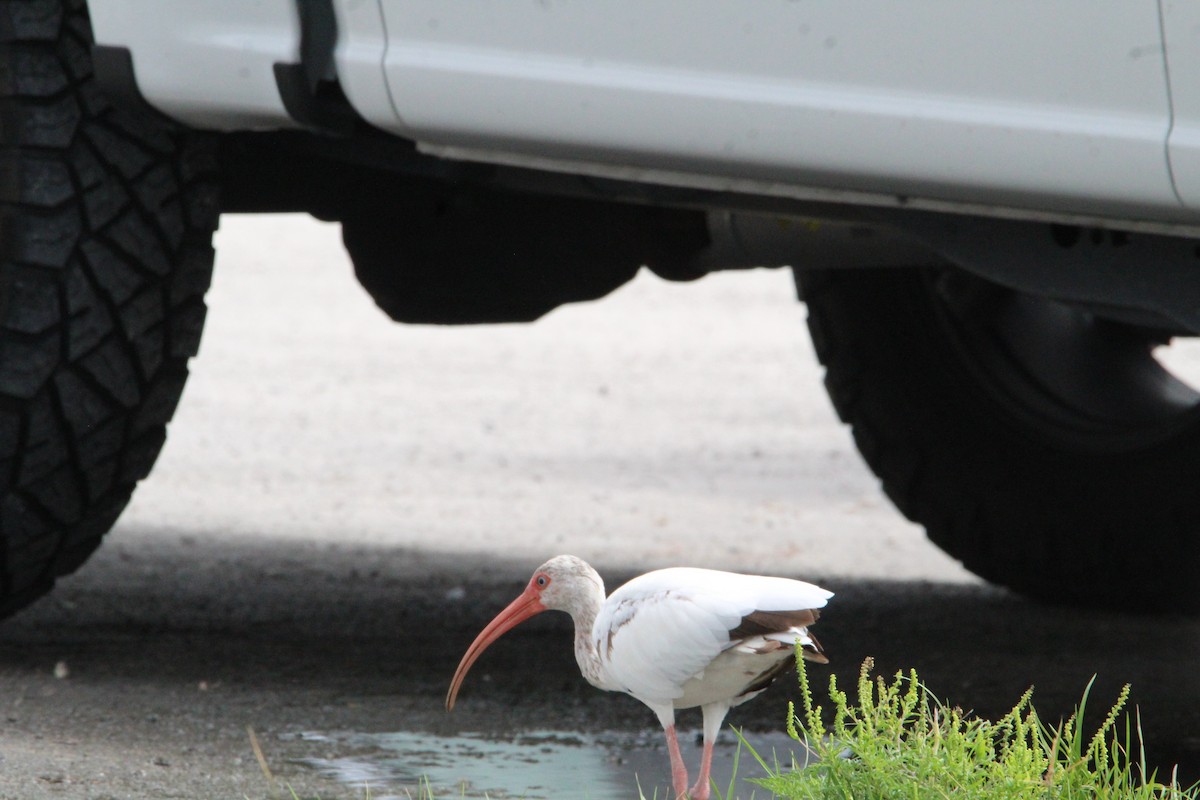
column 898, row 741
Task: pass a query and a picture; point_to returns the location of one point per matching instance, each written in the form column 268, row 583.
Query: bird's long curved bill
column 519, row 610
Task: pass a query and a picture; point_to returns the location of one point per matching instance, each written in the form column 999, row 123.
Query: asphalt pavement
column 344, row 502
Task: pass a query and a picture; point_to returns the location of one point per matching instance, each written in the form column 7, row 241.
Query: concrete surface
column 343, row 503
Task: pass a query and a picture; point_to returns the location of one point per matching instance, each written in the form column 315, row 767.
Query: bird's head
column 564, row 583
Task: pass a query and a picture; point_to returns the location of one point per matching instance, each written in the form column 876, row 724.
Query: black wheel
column 106, row 222
column 1043, row 446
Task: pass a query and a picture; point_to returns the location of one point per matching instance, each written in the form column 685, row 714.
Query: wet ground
column 343, row 504
column 173, row 650
column 609, row 765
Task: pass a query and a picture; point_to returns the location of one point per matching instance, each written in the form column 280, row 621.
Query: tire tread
column 106, row 221
column 1059, row 524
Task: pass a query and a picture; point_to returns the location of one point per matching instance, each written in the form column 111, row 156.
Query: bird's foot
column 699, row 791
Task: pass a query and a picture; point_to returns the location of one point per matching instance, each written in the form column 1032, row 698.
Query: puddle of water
column 538, row 765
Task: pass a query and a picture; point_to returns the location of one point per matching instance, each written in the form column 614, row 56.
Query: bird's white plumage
column 674, row 638
column 660, row 636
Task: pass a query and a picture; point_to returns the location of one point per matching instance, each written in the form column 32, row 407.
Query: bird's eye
column 542, row 581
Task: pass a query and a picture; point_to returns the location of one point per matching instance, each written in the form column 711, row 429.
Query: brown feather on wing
column 760, row 623
column 815, row 652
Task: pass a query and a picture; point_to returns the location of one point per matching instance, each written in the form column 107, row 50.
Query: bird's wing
column 660, row 630
column 653, row 642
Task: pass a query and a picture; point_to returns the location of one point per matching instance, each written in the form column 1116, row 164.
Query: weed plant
column 898, row 741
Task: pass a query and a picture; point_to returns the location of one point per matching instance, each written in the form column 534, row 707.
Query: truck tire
column 1043, row 447
column 106, row 222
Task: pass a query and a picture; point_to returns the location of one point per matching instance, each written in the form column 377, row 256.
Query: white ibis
column 672, row 638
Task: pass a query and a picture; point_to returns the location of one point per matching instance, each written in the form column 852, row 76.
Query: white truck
column 992, row 209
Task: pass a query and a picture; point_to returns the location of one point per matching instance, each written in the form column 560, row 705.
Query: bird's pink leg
column 714, row 715
column 701, row 789
column 679, row 776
